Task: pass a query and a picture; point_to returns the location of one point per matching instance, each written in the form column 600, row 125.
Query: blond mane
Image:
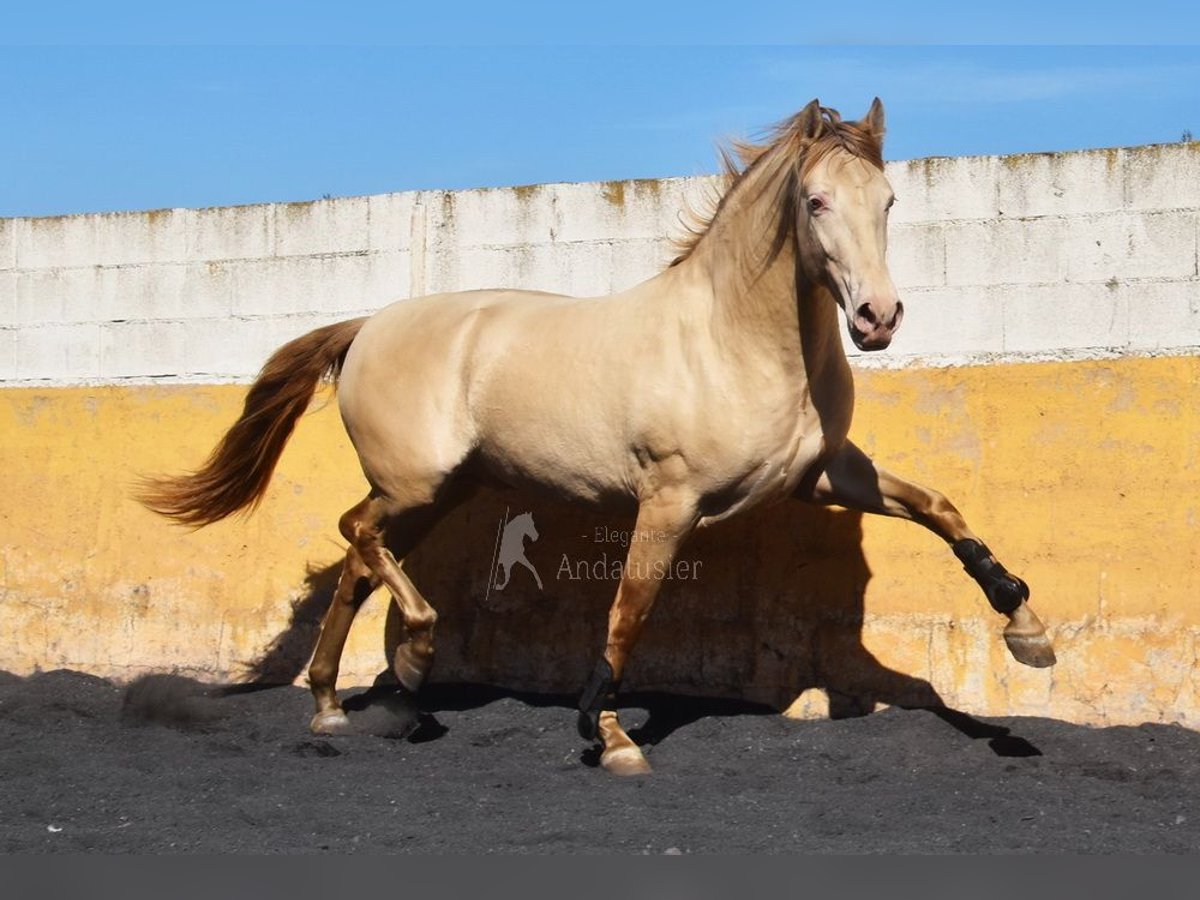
column 788, row 144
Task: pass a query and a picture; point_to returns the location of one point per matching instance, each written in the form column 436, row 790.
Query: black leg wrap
column 598, row 694
column 1004, row 591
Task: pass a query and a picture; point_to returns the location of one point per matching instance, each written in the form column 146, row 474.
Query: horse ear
column 808, row 122
column 874, row 119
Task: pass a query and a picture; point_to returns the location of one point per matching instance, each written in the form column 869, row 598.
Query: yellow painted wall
column 1082, row 476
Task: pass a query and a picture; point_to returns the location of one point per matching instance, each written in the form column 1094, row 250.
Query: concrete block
column 955, row 323
column 944, row 189
column 8, row 299
column 916, row 256
column 270, row 287
column 96, row 293
column 1049, row 317
column 231, row 232
column 192, row 291
column 388, row 279
column 311, row 284
column 523, row 267
column 160, row 235
column 54, row 241
column 494, row 217
column 8, row 244
column 390, row 221
column 58, row 296
column 322, row 226
column 1056, row 184
column 58, row 352
column 585, row 270
column 230, row 348
column 908, row 183
column 631, row 210
column 1006, row 251
column 1163, row 315
column 1163, row 176
column 143, row 349
column 8, row 354
column 1132, row 245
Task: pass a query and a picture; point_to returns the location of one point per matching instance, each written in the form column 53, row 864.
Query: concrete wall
column 1044, row 378
column 1000, row 259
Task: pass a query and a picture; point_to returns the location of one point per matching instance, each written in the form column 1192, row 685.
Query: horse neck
column 763, row 303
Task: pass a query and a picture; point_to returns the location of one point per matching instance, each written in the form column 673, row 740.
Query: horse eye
column 815, row 204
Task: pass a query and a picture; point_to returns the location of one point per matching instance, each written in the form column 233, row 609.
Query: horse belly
column 549, row 458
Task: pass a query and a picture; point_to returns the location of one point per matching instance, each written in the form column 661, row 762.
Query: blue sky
column 155, row 105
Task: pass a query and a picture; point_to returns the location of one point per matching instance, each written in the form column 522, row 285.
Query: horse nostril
column 866, row 313
column 897, row 315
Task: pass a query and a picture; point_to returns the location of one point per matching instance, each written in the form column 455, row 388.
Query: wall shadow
column 768, row 606
column 287, row 654
column 760, row 609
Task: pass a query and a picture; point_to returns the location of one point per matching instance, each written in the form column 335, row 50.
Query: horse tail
column 237, row 473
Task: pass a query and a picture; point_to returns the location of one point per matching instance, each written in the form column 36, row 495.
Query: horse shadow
column 286, row 655
column 757, row 611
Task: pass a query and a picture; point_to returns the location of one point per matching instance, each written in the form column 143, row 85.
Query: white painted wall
column 1069, row 255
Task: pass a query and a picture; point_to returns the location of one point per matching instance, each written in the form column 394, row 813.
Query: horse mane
column 786, row 144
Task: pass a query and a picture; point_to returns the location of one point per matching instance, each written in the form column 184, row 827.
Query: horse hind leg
column 354, row 586
column 369, row 563
column 384, row 534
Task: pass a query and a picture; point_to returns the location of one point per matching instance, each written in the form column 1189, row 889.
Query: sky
column 162, row 105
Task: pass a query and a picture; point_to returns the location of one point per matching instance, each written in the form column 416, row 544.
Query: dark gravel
column 173, row 766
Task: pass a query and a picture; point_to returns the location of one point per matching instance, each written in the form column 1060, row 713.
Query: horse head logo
column 512, row 549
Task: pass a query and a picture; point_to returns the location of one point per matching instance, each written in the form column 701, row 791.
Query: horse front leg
column 663, row 524
column 851, row 480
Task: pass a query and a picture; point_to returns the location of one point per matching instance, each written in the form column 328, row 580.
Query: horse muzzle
column 873, row 324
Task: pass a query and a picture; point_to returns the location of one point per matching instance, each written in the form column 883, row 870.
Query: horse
column 717, row 385
column 512, row 549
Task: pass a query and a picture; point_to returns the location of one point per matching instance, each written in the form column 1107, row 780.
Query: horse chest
column 764, row 461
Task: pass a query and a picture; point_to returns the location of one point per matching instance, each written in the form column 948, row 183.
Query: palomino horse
column 719, row 384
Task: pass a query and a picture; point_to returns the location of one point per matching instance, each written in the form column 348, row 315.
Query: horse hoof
column 625, row 761
column 412, row 665
column 329, row 721
column 1030, row 649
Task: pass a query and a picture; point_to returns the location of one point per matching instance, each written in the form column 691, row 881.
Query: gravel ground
column 172, row 766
